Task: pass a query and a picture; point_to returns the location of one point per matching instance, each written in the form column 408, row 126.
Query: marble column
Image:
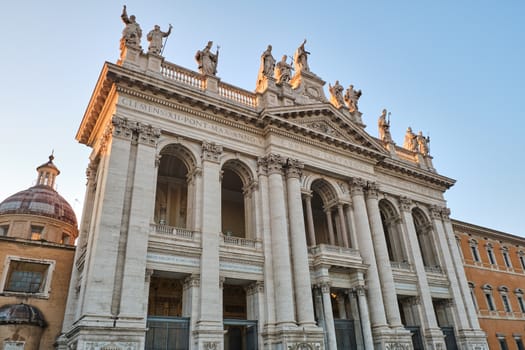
column 431, row 330
column 364, row 236
column 466, row 312
column 342, row 224
column 350, row 218
column 329, row 317
column 209, row 325
column 301, row 269
column 382, row 259
column 284, row 301
column 331, row 237
column 365, row 318
column 310, row 219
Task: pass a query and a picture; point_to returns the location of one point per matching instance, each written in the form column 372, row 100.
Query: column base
column 296, row 338
column 98, row 338
column 434, row 338
column 386, row 338
column 208, row 335
column 472, row 339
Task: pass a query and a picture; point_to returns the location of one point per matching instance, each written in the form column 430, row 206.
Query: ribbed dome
column 39, row 200
column 21, row 314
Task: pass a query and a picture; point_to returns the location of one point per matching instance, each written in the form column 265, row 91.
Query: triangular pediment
column 325, row 119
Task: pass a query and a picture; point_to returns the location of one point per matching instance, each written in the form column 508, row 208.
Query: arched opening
column 173, row 192
column 392, row 230
column 425, row 238
column 325, row 216
column 232, row 205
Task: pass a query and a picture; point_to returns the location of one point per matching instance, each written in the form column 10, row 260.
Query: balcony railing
column 402, row 265
column 324, row 248
column 241, row 242
column 170, row 230
column 182, row 75
column 434, row 269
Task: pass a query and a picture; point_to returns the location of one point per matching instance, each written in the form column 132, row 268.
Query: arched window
column 425, row 238
column 237, row 207
column 506, row 256
column 393, row 233
column 329, row 220
column 173, row 201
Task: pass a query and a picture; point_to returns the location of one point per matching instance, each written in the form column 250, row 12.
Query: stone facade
column 495, row 270
column 217, row 218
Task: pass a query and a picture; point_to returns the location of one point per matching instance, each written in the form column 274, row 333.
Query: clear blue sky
column 453, row 69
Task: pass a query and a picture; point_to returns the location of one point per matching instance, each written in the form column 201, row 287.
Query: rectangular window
column 492, row 260
column 23, row 275
column 36, row 232
column 506, row 304
column 503, row 344
column 519, row 344
column 522, row 261
column 506, row 258
column 65, row 238
column 475, row 254
column 490, row 302
column 3, row 230
column 521, row 303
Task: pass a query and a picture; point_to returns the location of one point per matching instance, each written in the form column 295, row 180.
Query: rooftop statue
column 422, row 143
column 132, row 33
column 410, row 142
column 155, row 39
column 283, row 71
column 336, row 94
column 351, row 98
column 267, row 63
column 301, row 59
column 384, row 127
column 207, row 60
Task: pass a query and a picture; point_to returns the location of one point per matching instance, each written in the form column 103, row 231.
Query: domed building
column 38, row 229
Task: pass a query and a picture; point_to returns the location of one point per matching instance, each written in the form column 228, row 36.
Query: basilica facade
column 220, row 218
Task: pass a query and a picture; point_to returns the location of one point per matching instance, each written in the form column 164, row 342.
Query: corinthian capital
column 406, row 203
column 211, row 151
column 294, row 168
column 357, row 185
column 372, row 190
column 148, row 135
column 435, row 211
column 274, row 163
column 122, row 127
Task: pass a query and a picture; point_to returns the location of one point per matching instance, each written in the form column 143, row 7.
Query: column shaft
column 331, row 236
column 310, row 219
column 329, row 318
column 342, row 222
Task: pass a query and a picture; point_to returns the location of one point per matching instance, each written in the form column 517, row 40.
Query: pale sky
column 453, row 69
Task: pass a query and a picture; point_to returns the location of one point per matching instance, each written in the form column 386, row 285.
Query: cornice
column 396, row 167
column 484, row 231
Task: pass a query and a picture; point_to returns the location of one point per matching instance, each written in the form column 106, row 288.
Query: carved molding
column 211, row 151
column 211, row 345
column 304, row 346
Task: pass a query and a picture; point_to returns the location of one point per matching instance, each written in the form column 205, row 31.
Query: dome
column 21, row 314
column 39, row 200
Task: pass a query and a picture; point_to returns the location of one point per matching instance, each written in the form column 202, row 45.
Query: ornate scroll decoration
column 211, row 151
column 405, row 203
column 357, row 186
column 294, row 168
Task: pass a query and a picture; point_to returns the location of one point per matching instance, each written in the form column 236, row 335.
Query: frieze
column 112, row 346
column 211, row 345
column 304, row 346
column 398, row 346
column 172, row 259
column 189, row 121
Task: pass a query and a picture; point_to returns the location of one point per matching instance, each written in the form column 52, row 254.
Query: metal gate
column 345, row 334
column 417, row 342
column 167, row 333
column 450, row 338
